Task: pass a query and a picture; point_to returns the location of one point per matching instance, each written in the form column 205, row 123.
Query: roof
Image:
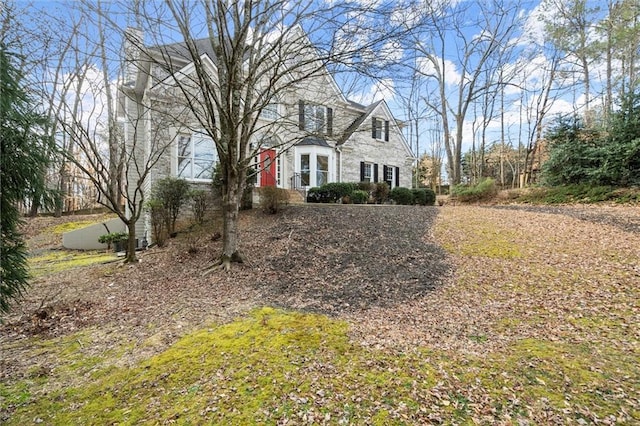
column 356, row 124
column 313, row 140
column 180, row 50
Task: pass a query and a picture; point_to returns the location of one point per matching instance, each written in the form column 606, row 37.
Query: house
column 308, row 135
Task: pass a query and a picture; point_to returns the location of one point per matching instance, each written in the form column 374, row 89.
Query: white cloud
column 533, row 30
column 383, row 89
column 429, row 68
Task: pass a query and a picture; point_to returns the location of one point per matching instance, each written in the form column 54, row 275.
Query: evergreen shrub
column 359, row 197
column 401, row 195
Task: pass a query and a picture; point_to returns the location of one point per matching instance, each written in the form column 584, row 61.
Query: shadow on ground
column 332, row 259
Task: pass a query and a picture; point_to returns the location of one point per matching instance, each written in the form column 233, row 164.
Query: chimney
column 133, row 45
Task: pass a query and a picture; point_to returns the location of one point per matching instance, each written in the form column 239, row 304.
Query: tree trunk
column 230, row 209
column 131, row 243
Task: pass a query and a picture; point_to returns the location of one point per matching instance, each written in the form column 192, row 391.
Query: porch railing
column 296, row 185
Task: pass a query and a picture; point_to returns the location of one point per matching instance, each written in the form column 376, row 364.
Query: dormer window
column 380, row 129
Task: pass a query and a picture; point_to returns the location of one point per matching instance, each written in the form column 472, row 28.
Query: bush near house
column 113, row 238
column 317, row 195
column 365, row 186
column 338, row 190
column 402, row 196
column 380, row 192
column 359, row 197
column 273, row 199
column 331, row 192
column 172, row 193
column 199, row 204
column 157, row 213
column 424, row 196
column 419, row 196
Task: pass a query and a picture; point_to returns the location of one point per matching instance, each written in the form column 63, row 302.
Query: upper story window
column 380, row 129
column 315, row 118
column 196, row 156
column 270, row 111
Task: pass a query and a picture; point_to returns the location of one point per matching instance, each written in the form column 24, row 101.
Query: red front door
column 268, row 167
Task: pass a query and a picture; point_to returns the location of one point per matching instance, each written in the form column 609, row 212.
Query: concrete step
column 295, row 196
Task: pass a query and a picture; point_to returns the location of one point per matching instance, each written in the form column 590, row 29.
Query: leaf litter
column 548, row 336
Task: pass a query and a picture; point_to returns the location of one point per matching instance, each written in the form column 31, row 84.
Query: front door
column 268, row 166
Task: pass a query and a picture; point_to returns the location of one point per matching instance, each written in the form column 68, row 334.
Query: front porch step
column 296, row 196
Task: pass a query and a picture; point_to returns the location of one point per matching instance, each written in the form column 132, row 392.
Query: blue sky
column 388, row 86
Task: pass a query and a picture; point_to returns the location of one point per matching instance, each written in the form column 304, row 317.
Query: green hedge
column 359, row 197
column 402, row 196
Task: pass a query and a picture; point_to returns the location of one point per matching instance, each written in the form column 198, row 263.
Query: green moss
column 265, row 368
column 480, row 238
column 275, row 366
column 72, row 226
column 62, row 260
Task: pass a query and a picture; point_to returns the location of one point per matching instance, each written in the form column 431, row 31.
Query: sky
column 393, row 90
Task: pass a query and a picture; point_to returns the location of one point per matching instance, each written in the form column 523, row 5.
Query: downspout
column 339, row 163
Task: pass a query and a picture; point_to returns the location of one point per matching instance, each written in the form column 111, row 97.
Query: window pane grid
column 196, row 156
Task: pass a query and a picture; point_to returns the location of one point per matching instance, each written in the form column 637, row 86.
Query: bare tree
column 447, row 27
column 242, row 56
column 84, row 99
column 568, row 25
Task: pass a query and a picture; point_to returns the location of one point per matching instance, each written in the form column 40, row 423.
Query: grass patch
column 62, row 260
column 276, row 367
column 480, row 238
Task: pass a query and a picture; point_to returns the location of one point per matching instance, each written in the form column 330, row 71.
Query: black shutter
column 373, row 127
column 384, row 174
column 375, row 173
column 301, row 114
column 397, row 176
column 329, row 121
column 386, row 131
column 361, row 171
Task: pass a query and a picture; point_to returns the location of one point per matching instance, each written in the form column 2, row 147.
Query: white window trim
column 314, row 152
column 199, row 133
column 381, row 125
column 370, row 166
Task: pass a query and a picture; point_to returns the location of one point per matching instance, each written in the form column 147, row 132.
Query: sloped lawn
column 520, row 316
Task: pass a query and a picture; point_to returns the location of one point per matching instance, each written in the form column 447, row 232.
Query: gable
column 377, row 119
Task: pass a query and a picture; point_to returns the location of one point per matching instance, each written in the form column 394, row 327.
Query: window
column 315, row 118
column 322, row 170
column 389, row 175
column 196, row 156
column 305, row 170
column 380, row 129
column 315, row 166
column 366, row 174
column 270, row 111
